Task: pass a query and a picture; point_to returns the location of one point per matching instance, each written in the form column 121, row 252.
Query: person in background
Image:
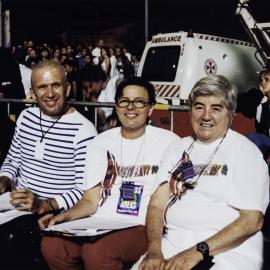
column 56, row 56
column 44, row 54
column 136, row 63
column 96, row 53
column 25, row 71
column 33, row 58
column 26, row 79
column 63, row 50
column 70, row 52
column 97, row 87
column 213, row 191
column 11, row 85
column 255, row 103
column 44, row 167
column 72, row 76
column 123, row 65
column 113, row 62
column 10, row 78
column 104, row 61
column 28, row 49
column 127, row 53
column 87, row 60
column 120, row 161
column 81, row 58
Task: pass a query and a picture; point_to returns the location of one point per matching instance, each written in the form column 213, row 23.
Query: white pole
column 7, row 29
column 146, row 20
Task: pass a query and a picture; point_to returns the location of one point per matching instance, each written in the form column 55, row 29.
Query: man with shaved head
column 45, row 164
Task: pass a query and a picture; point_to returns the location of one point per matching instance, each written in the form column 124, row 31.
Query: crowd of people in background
column 89, row 71
column 115, row 61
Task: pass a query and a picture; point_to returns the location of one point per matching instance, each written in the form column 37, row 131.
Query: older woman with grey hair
column 217, row 86
column 208, row 210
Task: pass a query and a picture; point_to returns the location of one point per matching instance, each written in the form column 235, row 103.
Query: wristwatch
column 203, row 248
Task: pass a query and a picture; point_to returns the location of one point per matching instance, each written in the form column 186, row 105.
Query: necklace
column 44, row 133
column 137, row 157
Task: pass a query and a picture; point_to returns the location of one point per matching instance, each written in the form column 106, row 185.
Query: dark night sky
column 42, row 20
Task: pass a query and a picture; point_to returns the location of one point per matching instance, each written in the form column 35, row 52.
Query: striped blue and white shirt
column 59, row 170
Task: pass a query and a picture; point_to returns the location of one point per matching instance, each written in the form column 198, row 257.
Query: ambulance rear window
column 161, row 63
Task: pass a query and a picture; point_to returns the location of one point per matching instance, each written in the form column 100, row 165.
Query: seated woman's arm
column 248, row 223
column 84, row 208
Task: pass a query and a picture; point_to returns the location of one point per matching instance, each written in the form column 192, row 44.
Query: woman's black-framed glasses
column 137, row 103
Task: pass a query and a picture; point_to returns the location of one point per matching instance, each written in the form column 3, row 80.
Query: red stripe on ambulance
column 167, row 90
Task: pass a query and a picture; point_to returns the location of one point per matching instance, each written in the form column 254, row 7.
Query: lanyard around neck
column 138, row 154
column 44, row 133
column 191, row 184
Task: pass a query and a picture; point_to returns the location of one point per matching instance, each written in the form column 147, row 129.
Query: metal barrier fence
column 158, row 106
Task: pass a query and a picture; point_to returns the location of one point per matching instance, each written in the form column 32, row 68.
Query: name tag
column 185, row 169
column 130, row 199
column 40, row 149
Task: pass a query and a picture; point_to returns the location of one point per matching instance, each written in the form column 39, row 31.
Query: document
column 7, row 211
column 5, row 202
column 93, row 225
column 11, row 214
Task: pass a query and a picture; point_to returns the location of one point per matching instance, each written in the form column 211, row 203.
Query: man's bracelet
column 50, row 204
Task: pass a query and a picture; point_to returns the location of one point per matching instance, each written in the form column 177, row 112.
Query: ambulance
column 173, row 62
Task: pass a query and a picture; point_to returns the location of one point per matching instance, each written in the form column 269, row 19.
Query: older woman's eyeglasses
column 137, row 103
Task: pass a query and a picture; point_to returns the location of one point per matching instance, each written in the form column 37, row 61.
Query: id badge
column 185, row 170
column 130, row 199
column 127, row 190
column 40, row 149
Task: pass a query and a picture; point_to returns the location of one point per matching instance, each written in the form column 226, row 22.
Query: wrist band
column 49, row 202
column 203, row 248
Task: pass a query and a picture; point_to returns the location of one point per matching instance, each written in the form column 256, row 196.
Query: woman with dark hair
column 120, row 177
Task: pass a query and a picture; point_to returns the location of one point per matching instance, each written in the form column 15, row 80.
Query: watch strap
column 203, row 248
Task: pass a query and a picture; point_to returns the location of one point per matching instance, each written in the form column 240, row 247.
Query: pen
column 54, row 212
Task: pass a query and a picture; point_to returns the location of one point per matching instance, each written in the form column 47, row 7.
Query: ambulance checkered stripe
column 167, row 90
column 226, row 40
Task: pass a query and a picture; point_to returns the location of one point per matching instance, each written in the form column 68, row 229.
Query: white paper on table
column 93, row 225
column 5, row 202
